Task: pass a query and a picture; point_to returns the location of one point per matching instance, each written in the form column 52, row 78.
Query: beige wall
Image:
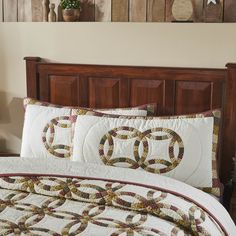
column 194, row 45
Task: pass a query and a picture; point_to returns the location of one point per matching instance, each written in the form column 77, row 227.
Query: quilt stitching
column 141, row 139
column 140, row 202
column 58, row 150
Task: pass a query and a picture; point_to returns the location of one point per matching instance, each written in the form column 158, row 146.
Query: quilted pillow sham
column 47, row 128
column 181, row 147
column 149, row 109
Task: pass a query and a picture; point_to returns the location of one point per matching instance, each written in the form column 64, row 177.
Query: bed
column 54, row 196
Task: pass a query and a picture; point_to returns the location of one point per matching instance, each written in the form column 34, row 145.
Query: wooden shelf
column 126, row 11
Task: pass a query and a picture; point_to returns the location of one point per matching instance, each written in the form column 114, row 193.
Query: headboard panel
column 175, row 90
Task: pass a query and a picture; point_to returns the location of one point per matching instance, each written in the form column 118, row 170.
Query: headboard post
column 31, row 76
column 229, row 137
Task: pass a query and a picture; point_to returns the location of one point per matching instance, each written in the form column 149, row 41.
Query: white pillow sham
column 178, row 148
column 47, row 132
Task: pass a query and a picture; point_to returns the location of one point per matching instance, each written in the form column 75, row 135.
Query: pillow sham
column 181, row 147
column 149, row 109
column 46, row 132
column 145, row 110
column 47, row 128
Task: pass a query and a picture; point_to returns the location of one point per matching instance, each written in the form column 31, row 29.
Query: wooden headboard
column 175, row 90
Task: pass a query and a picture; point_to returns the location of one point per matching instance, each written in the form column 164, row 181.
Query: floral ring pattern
column 96, row 199
column 141, row 140
column 58, row 150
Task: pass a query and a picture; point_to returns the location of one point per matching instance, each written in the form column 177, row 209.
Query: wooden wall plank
column 198, row 10
column 168, row 13
column 24, row 10
column 155, row 10
column 37, row 10
column 102, row 10
column 88, row 10
column 213, row 12
column 120, row 10
column 58, row 9
column 127, row 10
column 1, row 11
column 138, row 10
column 10, row 10
column 230, row 11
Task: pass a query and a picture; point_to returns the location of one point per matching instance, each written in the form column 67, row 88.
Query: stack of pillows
column 181, row 147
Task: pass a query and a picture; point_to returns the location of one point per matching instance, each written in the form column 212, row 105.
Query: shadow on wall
column 11, row 108
column 4, row 112
column 3, row 144
column 11, row 120
column 16, row 111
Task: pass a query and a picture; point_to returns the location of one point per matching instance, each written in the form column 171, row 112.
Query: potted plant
column 70, row 9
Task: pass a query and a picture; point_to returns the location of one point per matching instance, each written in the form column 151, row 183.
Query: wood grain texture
column 127, row 10
column 37, row 10
column 88, row 10
column 229, row 140
column 24, row 11
column 138, row 10
column 168, row 13
column 103, row 10
column 151, row 91
column 5, row 154
column 233, row 204
column 120, row 10
column 10, row 10
column 104, row 92
column 156, row 10
column 198, row 6
column 32, row 77
column 213, row 12
column 70, row 86
column 200, row 93
column 1, row 11
column 230, row 11
column 58, row 9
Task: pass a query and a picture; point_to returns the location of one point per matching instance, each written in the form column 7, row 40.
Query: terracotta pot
column 70, row 15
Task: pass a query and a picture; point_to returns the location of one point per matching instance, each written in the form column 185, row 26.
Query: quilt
column 57, row 197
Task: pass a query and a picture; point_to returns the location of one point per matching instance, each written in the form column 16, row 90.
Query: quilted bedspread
column 57, row 197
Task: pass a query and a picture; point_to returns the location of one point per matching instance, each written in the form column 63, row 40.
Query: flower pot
column 70, row 15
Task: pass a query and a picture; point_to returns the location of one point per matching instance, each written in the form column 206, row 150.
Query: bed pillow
column 145, row 110
column 149, row 109
column 47, row 128
column 181, row 147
